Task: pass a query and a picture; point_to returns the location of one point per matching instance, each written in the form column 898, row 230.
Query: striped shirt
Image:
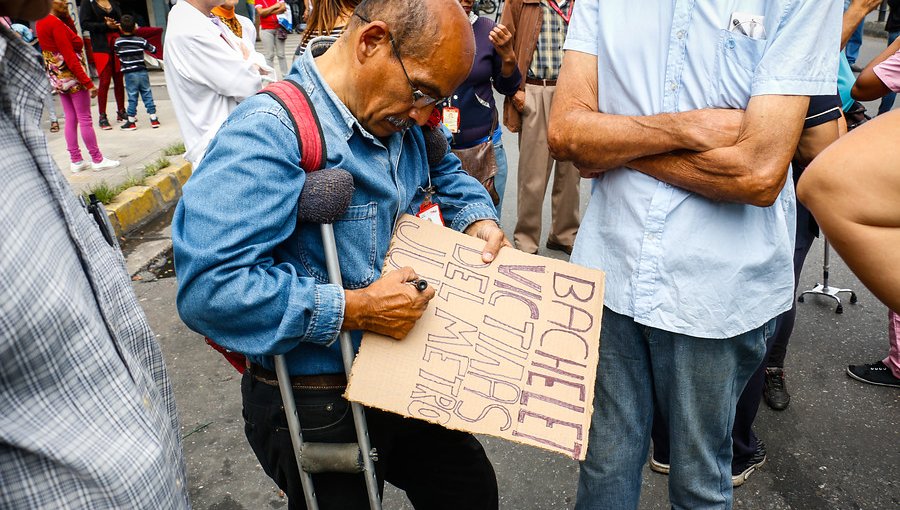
column 87, row 413
column 304, row 42
column 548, row 54
column 130, row 50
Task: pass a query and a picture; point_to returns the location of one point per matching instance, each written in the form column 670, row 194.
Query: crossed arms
column 722, row 154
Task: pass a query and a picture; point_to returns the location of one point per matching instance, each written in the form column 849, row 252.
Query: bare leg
column 853, row 189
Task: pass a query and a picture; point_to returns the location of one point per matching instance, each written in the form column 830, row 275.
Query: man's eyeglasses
column 420, row 99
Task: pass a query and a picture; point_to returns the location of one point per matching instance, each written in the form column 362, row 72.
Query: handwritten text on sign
column 508, row 349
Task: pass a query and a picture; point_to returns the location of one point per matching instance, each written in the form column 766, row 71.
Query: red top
column 59, row 36
column 269, row 22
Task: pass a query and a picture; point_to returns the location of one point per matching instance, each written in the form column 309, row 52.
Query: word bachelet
column 508, row 349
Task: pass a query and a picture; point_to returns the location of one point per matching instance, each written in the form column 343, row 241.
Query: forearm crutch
column 325, row 197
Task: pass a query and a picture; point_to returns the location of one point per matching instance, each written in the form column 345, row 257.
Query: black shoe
column 855, row 68
column 740, row 474
column 121, row 116
column 553, row 245
column 128, row 126
column 775, row 391
column 104, row 122
column 877, row 373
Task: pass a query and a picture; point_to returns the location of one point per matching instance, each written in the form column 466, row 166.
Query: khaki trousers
column 535, row 167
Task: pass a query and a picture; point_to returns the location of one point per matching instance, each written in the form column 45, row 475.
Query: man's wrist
column 681, row 126
column 354, row 305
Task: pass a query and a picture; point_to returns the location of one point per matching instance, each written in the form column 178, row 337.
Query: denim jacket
column 253, row 279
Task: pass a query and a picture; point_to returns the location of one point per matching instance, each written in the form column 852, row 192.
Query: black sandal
column 54, row 126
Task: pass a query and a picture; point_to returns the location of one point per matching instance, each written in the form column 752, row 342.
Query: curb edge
column 138, row 205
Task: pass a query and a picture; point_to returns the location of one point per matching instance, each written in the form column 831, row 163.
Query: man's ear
column 372, row 39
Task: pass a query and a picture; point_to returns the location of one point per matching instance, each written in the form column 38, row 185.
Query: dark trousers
column 438, row 468
column 108, row 74
column 743, row 440
column 806, row 233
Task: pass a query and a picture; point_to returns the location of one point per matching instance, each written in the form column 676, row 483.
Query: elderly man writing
column 254, row 280
column 686, row 114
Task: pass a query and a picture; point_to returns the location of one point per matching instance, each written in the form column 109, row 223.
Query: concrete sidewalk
column 138, row 205
column 134, row 149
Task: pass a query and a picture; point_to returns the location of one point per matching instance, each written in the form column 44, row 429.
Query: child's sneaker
column 128, row 126
column 104, row 164
column 121, row 116
column 104, row 122
column 79, row 166
column 154, row 122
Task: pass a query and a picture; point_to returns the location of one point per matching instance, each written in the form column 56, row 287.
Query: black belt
column 306, row 382
column 538, row 81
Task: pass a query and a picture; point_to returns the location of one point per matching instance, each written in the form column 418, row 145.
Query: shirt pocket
column 355, row 236
column 737, row 57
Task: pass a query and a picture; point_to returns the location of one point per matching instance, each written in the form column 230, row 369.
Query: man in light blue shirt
column 685, row 114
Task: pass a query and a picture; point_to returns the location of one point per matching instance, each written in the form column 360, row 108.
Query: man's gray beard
column 402, row 124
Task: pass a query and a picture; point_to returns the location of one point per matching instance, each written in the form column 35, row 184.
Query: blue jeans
column 887, row 102
column 502, row 171
column 696, row 382
column 138, row 82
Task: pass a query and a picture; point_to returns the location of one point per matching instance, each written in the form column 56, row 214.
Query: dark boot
column 775, row 391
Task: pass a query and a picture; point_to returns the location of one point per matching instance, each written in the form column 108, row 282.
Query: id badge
column 450, row 118
column 430, row 211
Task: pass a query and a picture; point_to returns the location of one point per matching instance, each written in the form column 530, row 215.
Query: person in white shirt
column 209, row 71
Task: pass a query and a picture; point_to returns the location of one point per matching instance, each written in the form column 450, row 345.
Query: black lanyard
column 565, row 16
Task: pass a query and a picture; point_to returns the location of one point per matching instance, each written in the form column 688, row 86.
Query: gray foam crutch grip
column 326, row 195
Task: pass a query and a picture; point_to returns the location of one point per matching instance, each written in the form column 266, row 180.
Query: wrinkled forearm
column 728, row 174
column 602, row 141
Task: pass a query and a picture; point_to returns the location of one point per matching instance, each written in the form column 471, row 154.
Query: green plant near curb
column 151, row 169
column 174, row 149
column 104, row 192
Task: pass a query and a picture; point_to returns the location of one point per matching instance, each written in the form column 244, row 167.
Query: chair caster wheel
column 839, row 309
column 853, row 298
column 800, row 299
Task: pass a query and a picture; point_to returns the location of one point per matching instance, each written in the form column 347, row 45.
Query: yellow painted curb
column 139, row 204
column 166, row 185
column 133, row 206
column 181, row 170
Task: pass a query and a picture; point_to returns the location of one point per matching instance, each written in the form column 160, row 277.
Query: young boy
column 130, row 50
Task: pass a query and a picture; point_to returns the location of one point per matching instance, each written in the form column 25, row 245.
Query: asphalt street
column 835, row 447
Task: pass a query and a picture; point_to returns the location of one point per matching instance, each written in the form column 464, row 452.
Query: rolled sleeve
column 324, row 326
column 582, row 33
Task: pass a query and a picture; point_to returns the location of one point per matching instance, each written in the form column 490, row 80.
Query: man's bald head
column 415, row 24
column 394, row 54
column 25, row 9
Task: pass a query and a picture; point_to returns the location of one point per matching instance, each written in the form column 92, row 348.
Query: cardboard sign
column 508, row 349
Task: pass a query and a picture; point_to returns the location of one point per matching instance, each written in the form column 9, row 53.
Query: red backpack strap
column 310, row 139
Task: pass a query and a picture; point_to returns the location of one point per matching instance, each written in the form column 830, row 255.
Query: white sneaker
column 103, row 165
column 77, row 167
